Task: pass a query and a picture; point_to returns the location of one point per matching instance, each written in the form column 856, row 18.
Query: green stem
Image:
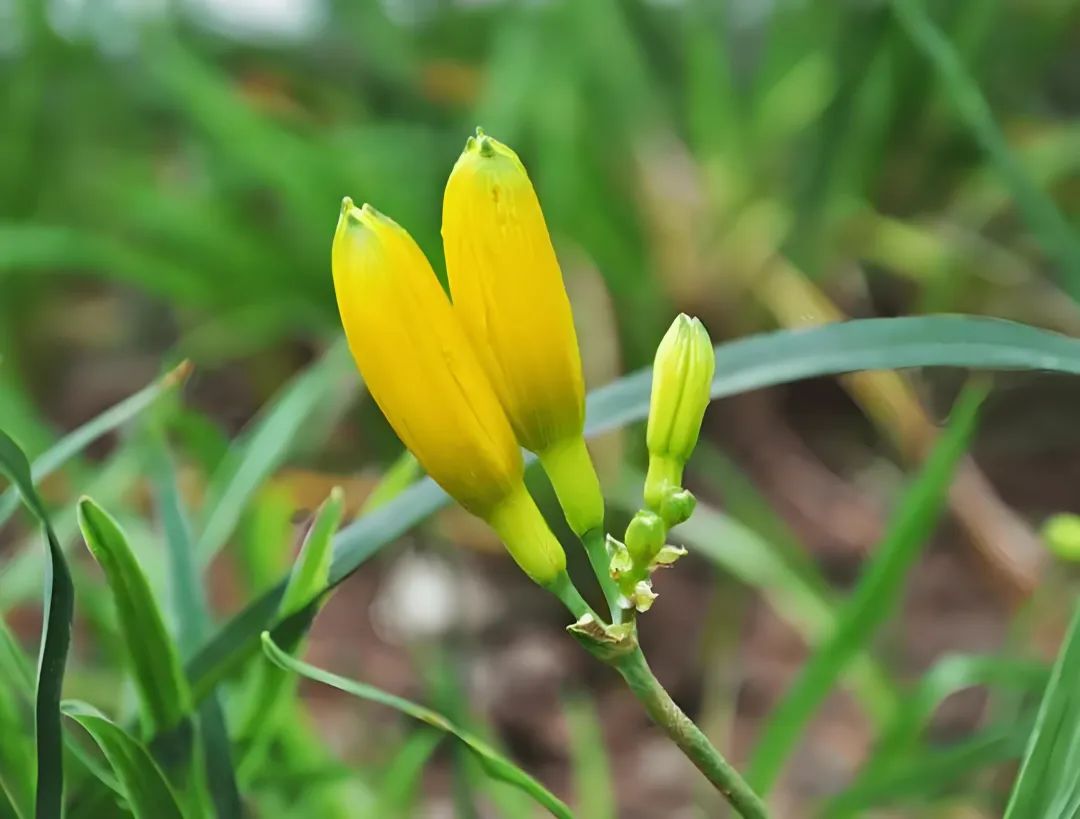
column 595, row 545
column 681, row 729
column 563, row 588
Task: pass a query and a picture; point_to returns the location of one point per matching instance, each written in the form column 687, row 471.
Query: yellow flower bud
column 422, row 372
column 508, row 291
column 682, row 378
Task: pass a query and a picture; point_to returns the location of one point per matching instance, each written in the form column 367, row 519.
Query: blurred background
column 170, row 177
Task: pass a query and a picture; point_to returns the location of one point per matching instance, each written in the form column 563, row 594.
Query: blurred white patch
column 261, row 19
column 424, row 598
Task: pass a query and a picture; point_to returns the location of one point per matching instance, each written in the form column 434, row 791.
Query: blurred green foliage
column 170, row 174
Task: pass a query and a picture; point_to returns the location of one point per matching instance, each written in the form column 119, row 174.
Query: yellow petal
column 418, row 364
column 508, row 290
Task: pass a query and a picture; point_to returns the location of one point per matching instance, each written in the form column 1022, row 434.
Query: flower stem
column 681, row 729
column 600, row 560
column 563, row 588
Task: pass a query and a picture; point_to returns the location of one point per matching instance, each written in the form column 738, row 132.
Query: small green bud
column 682, row 380
column 1061, row 533
column 677, row 507
column 645, row 536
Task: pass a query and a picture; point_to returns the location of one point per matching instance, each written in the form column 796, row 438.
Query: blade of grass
column 589, row 762
column 873, row 599
column 399, row 783
column 899, row 741
column 58, row 608
column 1043, row 217
column 193, row 624
column 76, row 441
column 163, row 690
column 265, row 445
column 494, row 763
column 1047, row 785
column 753, row 363
column 148, row 793
column 272, row 687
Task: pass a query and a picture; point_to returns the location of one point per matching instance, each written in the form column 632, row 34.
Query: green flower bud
column 682, row 378
column 645, row 536
column 1061, row 533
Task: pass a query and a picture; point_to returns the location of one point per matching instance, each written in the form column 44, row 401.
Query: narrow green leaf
column 494, row 763
column 270, row 685
column 79, row 439
column 899, row 741
column 589, row 762
column 748, row 364
column 266, row 444
column 148, row 793
column 311, row 573
column 1047, row 785
column 402, row 474
column 873, row 599
column 17, row 762
column 193, row 623
column 399, row 784
column 58, row 606
column 163, row 690
column 1045, row 220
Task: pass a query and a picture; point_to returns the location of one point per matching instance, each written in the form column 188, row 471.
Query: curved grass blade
column 494, row 763
column 899, row 742
column 747, row 364
column 58, row 605
column 1044, row 219
column 270, row 686
column 193, row 623
column 1047, row 785
column 148, row 793
column 873, row 598
column 264, row 446
column 76, row 441
column 163, row 689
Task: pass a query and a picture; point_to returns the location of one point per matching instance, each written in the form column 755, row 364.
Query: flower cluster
column 465, row 380
column 469, row 379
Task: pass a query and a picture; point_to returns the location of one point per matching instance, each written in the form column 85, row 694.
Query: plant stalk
column 595, row 545
column 682, row 730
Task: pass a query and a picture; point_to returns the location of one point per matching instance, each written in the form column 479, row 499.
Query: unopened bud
column 645, row 536
column 682, row 380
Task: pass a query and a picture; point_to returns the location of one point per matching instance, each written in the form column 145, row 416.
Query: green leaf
column 163, row 690
column 59, row 604
column 747, row 364
column 193, row 623
column 400, row 783
column 311, row 572
column 270, row 685
column 872, row 600
column 148, row 793
column 899, row 742
column 593, row 784
column 263, row 447
column 1047, row 785
column 1054, row 232
column 494, row 763
column 79, row 439
column 17, row 748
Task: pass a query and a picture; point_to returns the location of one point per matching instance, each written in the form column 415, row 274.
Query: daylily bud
column 1061, row 533
column 508, row 292
column 682, row 378
column 422, row 372
column 645, row 536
